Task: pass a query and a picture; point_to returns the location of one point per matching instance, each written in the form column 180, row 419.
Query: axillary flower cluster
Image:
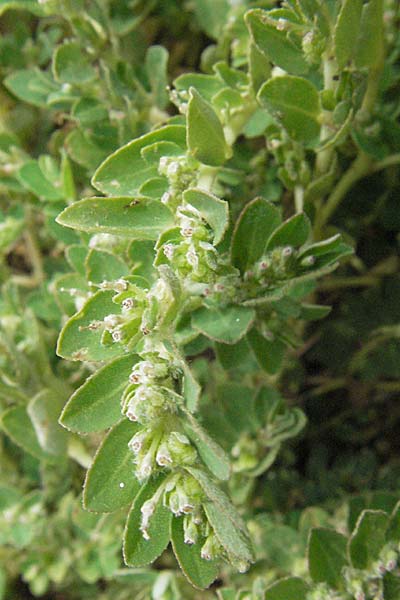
column 189, row 268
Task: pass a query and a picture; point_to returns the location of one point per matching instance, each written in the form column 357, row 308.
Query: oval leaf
column 368, row 538
column 346, row 31
column 213, row 456
column 226, row 325
column 205, row 136
column 126, row 170
column 255, row 225
column 294, row 102
column 200, row 573
column 96, row 404
column 78, row 342
column 141, row 219
column 44, row 410
column 110, row 482
column 213, row 210
column 139, row 552
column 293, row 232
column 16, row 423
column 327, row 556
column 275, row 44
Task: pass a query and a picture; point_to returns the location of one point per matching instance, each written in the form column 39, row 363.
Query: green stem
column 299, row 198
column 34, row 256
column 324, row 157
column 349, row 282
column 358, row 169
column 389, row 161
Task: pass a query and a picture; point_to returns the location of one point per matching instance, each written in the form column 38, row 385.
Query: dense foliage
column 200, row 299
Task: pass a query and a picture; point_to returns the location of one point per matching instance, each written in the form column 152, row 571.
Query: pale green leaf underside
column 142, row 219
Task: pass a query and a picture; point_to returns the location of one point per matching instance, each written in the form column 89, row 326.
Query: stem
column 361, row 165
column 348, row 282
column 389, row 161
column 371, row 94
column 324, row 157
column 358, row 169
column 299, row 198
column 34, row 256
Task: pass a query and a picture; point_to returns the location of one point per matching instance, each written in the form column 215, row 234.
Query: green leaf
column 110, row 482
column 212, row 15
column 217, row 496
column 16, row 423
column 205, row 136
column 292, row 588
column 206, row 85
column 153, row 152
column 104, row 266
column 139, row 552
column 256, row 223
column 44, row 410
column 327, row 556
column 226, row 522
column 89, row 111
column 78, row 342
column 191, row 389
column 259, row 67
column 346, row 31
column 211, row 453
column 326, row 252
column 32, row 178
column 231, row 538
column 83, row 151
column 269, row 353
column 370, row 46
column 213, row 210
column 141, row 219
column 156, row 63
column 96, row 404
column 154, row 188
column 200, row 572
column 30, row 5
column 141, row 253
column 126, row 170
column 275, row 44
column 368, row 538
column 226, row 325
column 70, row 65
column 314, row 312
column 294, row 102
column 31, row 85
column 293, row 232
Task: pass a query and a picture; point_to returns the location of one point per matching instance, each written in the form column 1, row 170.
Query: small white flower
column 120, row 285
column 173, row 169
column 116, row 335
column 128, row 303
column 168, row 250
column 111, row 321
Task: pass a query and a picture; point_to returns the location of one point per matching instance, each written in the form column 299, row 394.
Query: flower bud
column 147, row 511
column 211, row 548
column 163, row 456
column 136, row 443
column 111, row 321
column 308, row 261
column 190, row 530
column 180, row 448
